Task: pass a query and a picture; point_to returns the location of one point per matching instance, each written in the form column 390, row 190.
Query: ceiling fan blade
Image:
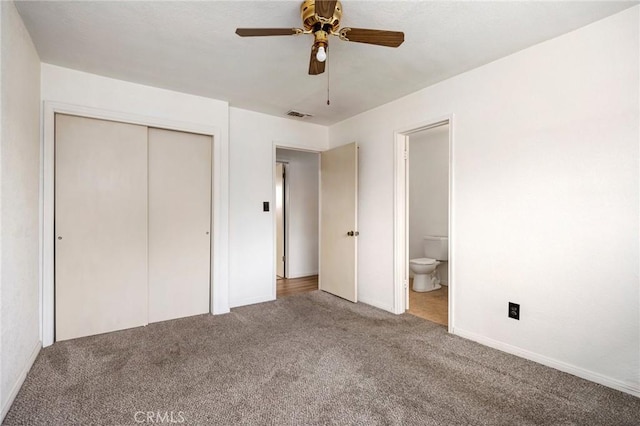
column 378, row 37
column 259, row 32
column 325, row 8
column 315, row 66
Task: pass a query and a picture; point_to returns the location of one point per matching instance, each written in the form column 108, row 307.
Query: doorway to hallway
column 296, row 212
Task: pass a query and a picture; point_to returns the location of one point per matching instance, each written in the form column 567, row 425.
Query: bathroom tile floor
column 432, row 305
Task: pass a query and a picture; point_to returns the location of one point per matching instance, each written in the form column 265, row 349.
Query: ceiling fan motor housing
column 313, row 22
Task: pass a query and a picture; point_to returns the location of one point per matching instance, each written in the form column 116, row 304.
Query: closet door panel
column 179, row 224
column 100, row 226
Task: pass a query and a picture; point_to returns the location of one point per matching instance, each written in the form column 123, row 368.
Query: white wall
column 546, row 199
column 19, row 213
column 428, row 189
column 90, row 90
column 251, row 231
column 303, row 171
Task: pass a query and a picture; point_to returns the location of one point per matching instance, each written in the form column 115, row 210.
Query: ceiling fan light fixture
column 321, row 56
column 322, row 18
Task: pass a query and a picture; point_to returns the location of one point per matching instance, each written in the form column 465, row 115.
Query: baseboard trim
column 550, row 362
column 251, row 301
column 376, row 304
column 302, row 275
column 18, row 384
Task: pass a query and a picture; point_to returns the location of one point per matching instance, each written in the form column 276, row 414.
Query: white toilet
column 426, row 277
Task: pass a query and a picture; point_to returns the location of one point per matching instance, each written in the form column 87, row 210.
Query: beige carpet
column 304, row 359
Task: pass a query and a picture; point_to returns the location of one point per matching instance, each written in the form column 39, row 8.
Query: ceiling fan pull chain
column 328, row 70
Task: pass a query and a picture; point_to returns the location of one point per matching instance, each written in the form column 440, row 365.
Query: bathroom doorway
column 296, row 217
column 428, row 166
column 423, row 281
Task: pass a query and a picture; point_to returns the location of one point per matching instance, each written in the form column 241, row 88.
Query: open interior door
column 339, row 221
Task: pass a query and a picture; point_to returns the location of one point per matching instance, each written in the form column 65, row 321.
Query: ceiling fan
column 322, row 19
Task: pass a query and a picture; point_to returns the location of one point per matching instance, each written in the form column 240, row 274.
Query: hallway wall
column 303, row 171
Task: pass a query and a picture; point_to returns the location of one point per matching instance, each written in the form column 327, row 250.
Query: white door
column 100, row 226
column 280, row 260
column 179, row 224
column 339, row 221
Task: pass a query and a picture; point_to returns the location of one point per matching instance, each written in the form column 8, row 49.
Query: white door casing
column 339, row 221
column 280, row 220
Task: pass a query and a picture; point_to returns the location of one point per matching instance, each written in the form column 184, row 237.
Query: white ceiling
column 191, row 46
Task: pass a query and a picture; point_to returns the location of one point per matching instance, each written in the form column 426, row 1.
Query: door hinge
column 406, row 155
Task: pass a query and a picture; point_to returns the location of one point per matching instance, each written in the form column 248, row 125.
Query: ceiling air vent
column 298, row 114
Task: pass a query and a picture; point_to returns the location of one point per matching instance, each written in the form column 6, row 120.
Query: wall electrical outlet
column 514, row 310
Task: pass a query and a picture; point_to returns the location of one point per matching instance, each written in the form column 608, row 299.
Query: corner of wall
column 13, row 392
column 19, row 203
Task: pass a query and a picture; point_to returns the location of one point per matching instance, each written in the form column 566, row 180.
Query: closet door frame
column 219, row 291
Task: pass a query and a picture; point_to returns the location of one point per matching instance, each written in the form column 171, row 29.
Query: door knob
column 353, row 233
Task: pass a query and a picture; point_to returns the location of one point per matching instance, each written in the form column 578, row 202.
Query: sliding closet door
column 179, row 224
column 100, row 226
